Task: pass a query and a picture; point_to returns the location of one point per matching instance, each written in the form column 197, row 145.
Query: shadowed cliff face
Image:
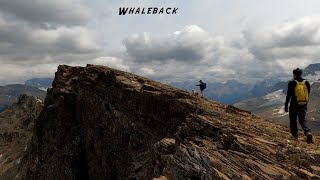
column 100, row 123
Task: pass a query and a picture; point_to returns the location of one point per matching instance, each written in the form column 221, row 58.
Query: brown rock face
column 16, row 130
column 101, row 123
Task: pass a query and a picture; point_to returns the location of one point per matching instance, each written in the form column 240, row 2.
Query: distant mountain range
column 40, row 83
column 10, row 93
column 271, row 105
column 225, row 92
column 245, row 96
column 231, row 91
column 36, row 87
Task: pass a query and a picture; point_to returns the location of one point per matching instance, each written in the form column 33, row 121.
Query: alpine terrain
column 102, row 123
column 271, row 106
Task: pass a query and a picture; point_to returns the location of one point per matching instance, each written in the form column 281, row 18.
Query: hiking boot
column 294, row 137
column 309, row 138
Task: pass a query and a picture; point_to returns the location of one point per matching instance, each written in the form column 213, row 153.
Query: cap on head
column 297, row 72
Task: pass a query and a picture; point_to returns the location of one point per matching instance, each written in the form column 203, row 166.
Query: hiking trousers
column 298, row 111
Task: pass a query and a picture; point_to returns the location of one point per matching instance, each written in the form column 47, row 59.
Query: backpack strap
column 303, row 82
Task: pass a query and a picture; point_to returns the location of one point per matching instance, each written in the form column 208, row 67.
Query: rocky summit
column 101, row 123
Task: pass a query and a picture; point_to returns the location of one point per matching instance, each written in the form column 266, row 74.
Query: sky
column 213, row 40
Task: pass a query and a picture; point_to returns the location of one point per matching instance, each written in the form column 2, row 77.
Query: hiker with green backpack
column 298, row 95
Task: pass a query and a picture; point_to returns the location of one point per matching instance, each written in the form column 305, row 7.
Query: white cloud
column 291, row 44
column 112, row 62
column 259, row 53
column 188, row 45
column 25, row 38
column 147, row 71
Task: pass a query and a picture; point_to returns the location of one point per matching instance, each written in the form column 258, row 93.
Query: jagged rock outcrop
column 16, row 130
column 101, row 123
column 10, row 94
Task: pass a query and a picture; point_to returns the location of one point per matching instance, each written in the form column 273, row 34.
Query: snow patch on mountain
column 279, row 112
column 43, row 88
column 274, row 95
column 274, row 98
column 313, row 78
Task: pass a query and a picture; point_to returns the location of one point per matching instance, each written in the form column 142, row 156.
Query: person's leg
column 302, row 111
column 293, row 121
column 202, row 94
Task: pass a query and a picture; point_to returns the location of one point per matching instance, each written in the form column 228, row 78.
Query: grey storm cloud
column 71, row 12
column 299, row 38
column 37, row 36
column 298, row 33
column 21, row 40
column 187, row 45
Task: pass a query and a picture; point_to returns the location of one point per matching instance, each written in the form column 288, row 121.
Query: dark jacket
column 201, row 86
column 291, row 94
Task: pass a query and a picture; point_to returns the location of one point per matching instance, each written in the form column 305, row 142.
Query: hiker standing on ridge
column 298, row 95
column 202, row 87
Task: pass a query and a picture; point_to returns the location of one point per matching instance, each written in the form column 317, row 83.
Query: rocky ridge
column 16, row 130
column 101, row 123
column 10, row 93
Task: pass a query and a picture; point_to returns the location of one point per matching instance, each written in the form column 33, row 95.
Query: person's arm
column 198, row 85
column 308, row 86
column 290, row 93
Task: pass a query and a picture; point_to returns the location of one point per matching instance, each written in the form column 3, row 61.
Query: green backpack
column 301, row 92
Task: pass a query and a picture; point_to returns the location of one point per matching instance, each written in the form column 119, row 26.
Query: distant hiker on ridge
column 298, row 95
column 202, row 87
